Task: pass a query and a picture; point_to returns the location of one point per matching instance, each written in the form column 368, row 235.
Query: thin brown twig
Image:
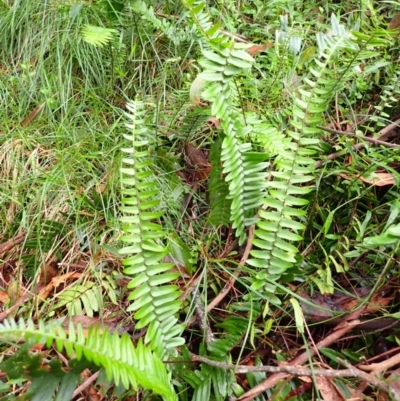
column 6, row 246
column 382, row 366
column 351, row 371
column 365, row 138
column 228, row 286
column 383, row 134
column 85, row 384
column 339, row 331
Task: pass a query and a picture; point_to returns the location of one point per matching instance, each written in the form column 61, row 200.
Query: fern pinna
column 156, row 300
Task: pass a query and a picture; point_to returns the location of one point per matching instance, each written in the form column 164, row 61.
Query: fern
column 155, row 299
column 220, row 205
column 98, row 36
column 244, row 169
column 122, row 361
column 281, row 222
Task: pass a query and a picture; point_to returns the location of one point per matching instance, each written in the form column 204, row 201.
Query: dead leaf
column 327, row 390
column 395, row 22
column 32, row 115
column 56, row 282
column 196, row 159
column 256, row 49
column 4, row 298
column 379, row 179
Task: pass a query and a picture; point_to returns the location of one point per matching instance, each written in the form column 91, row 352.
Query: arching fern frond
column 155, row 298
column 244, row 170
column 281, row 222
column 123, row 362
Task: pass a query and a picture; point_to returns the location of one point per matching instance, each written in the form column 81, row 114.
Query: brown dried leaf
column 4, row 298
column 256, row 49
column 32, row 115
column 327, row 390
column 197, row 160
column 380, row 179
column 56, row 282
column 395, row 22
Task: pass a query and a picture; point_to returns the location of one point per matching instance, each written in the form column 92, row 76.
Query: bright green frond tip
column 123, row 362
column 97, row 35
column 155, row 299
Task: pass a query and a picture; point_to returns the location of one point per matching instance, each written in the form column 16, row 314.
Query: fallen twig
column 6, row 246
column 382, row 366
column 228, row 286
column 375, row 141
column 340, row 330
column 383, row 134
column 351, row 371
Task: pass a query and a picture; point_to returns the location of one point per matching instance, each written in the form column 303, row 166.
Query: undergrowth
column 159, row 159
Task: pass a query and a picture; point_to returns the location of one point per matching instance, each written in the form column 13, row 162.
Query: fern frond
column 97, row 35
column 281, row 222
column 123, row 362
column 218, row 188
column 244, row 169
column 155, row 298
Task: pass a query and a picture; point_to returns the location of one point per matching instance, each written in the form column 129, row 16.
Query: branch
column 383, row 134
column 351, row 371
column 339, row 331
column 375, row 141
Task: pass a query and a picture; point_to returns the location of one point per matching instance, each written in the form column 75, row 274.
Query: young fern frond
column 97, row 35
column 122, row 361
column 245, row 170
column 155, row 298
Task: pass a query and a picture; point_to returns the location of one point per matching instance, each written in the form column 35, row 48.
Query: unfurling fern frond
column 155, row 298
column 122, row 361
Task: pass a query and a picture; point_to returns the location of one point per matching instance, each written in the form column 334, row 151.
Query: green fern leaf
column 155, row 299
column 123, row 362
column 97, row 36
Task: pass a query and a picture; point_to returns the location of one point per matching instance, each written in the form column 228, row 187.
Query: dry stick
column 6, row 246
column 85, row 384
column 383, row 133
column 228, row 286
column 372, row 380
column 340, row 330
column 365, row 138
column 351, row 371
column 382, row 366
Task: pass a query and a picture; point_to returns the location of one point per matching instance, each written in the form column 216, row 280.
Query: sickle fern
column 123, row 362
column 244, row 169
column 155, row 298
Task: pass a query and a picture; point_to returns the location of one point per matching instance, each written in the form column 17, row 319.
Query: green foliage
column 243, row 168
column 97, row 36
column 220, row 203
column 155, row 299
column 123, row 362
